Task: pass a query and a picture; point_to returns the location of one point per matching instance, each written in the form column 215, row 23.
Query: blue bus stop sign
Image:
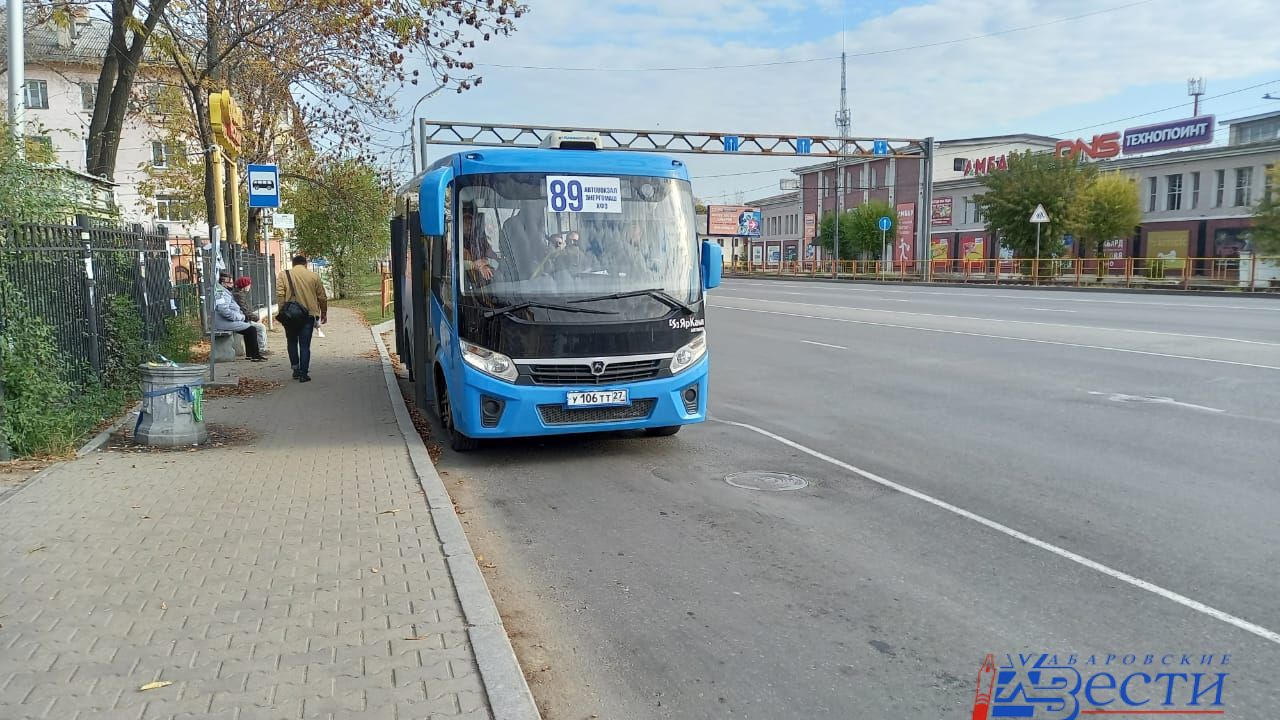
column 885, row 223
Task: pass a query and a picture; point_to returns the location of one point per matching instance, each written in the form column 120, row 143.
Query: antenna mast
column 842, row 117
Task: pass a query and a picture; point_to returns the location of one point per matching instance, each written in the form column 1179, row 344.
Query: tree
column 342, row 62
column 342, row 215
column 1266, row 228
column 860, row 233
column 1034, row 179
column 1107, row 208
column 346, row 56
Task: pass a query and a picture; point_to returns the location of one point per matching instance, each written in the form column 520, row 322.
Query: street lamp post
column 17, row 77
column 415, row 144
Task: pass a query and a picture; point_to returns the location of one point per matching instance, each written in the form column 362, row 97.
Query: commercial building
column 1197, row 199
column 896, row 181
column 781, row 229
column 1196, row 202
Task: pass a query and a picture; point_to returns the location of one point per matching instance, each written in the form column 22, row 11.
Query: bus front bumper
column 490, row 408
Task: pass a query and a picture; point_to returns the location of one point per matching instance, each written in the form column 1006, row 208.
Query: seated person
column 478, row 255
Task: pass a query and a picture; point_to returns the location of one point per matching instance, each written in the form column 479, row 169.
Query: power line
column 868, row 53
column 1171, row 107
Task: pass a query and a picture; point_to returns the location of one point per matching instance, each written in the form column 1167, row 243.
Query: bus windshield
column 535, row 237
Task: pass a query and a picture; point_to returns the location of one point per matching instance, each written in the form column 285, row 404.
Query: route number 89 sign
column 573, row 193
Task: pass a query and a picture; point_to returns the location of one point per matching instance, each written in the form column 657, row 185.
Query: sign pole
column 1038, row 218
column 1036, row 268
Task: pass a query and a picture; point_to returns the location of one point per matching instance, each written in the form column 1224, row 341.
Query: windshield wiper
column 507, row 310
column 656, row 293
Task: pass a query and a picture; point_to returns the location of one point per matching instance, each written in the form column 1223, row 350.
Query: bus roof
column 550, row 160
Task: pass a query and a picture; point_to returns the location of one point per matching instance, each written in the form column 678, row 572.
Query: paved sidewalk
column 298, row 574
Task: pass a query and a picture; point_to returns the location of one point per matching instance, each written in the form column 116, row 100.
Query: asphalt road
column 989, row 471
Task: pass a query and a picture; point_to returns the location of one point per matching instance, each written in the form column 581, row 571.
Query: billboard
column 1164, row 136
column 904, row 251
column 810, row 226
column 741, row 220
column 941, row 214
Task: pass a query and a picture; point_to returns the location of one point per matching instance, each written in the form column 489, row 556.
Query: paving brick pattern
column 295, row 575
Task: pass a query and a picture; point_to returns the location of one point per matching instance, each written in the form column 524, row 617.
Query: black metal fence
column 260, row 269
column 67, row 276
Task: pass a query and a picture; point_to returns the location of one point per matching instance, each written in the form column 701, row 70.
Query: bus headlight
column 690, row 353
column 489, row 362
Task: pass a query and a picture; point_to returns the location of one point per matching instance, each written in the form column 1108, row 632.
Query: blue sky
column 1125, row 58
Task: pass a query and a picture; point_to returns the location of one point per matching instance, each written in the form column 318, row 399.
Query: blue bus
column 553, row 290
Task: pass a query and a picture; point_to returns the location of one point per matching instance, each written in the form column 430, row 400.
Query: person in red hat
column 241, row 294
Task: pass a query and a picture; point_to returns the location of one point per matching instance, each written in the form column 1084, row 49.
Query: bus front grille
column 615, row 372
column 561, row 415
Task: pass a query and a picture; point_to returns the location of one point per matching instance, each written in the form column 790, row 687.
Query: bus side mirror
column 433, row 194
column 712, row 264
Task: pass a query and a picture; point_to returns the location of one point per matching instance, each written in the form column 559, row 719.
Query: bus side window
column 442, row 262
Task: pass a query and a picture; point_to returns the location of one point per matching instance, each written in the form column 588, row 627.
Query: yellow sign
column 227, row 120
column 1170, row 246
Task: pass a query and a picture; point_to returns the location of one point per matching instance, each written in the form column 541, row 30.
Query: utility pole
column 17, row 75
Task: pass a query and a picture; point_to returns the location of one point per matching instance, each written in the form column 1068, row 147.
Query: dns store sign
column 1101, row 147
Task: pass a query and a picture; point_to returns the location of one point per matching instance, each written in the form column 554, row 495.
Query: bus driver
column 478, row 254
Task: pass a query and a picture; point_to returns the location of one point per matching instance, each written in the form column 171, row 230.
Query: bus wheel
column 457, row 441
column 662, row 431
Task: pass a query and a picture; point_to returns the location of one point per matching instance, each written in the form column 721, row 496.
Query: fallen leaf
column 37, row 548
column 155, row 685
column 164, row 606
column 419, row 637
column 488, row 566
column 373, row 570
column 390, row 512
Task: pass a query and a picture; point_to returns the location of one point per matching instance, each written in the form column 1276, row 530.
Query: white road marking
column 1050, row 310
column 1006, row 337
column 1261, row 307
column 812, row 342
column 1122, row 397
column 783, row 292
column 1183, row 600
column 1005, row 320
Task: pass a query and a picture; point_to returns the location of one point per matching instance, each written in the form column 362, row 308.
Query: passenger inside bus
column 478, row 255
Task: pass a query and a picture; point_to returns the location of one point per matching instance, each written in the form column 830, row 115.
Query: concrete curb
column 1270, row 295
column 504, row 683
column 101, row 438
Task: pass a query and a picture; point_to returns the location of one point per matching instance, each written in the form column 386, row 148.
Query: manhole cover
column 765, row 480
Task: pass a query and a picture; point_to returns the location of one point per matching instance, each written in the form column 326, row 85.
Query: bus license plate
column 597, row 398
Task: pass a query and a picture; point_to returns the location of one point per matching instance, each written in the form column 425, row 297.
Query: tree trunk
column 200, row 102
column 253, row 230
column 108, row 79
column 115, row 83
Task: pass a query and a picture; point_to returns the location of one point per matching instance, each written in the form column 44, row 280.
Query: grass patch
column 366, row 299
